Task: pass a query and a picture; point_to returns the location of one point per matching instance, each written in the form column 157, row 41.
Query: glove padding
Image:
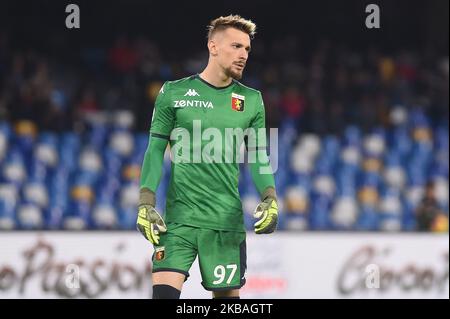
column 150, row 223
column 267, row 212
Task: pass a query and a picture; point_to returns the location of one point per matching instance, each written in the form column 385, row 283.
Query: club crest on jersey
column 159, row 253
column 237, row 102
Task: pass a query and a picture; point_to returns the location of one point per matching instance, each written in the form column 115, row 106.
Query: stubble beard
column 235, row 75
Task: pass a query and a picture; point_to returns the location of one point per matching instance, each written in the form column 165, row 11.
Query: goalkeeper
column 203, row 214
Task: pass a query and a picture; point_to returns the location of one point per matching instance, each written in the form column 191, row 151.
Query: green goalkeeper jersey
column 204, row 125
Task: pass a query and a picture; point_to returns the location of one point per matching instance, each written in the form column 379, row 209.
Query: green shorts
column 222, row 255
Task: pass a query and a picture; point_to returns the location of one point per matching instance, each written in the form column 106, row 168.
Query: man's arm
column 264, row 182
column 149, row 221
column 152, row 165
column 261, row 172
column 162, row 124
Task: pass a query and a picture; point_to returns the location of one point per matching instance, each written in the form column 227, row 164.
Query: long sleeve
column 151, row 171
column 162, row 124
column 259, row 163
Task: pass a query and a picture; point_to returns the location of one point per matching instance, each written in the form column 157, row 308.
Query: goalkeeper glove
column 267, row 213
column 149, row 221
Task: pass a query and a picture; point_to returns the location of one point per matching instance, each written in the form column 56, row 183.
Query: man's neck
column 215, row 77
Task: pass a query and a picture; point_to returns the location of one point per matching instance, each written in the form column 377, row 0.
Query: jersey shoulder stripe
column 181, row 83
column 247, row 89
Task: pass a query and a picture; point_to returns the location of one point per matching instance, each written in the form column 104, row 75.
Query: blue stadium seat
column 105, row 216
column 319, row 216
column 30, row 216
column 127, row 218
column 7, row 211
column 352, row 136
column 368, row 219
column 5, row 129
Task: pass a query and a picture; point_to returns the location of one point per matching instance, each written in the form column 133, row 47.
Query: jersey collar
column 197, row 76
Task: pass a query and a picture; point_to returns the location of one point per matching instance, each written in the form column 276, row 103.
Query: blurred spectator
column 123, row 58
column 430, row 217
column 320, row 88
column 292, row 103
column 88, row 102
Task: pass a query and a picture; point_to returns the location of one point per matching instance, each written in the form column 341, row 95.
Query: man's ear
column 212, row 47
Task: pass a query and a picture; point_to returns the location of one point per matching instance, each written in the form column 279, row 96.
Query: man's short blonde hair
column 231, row 21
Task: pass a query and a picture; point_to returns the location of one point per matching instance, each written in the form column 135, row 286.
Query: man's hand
column 149, row 221
column 267, row 212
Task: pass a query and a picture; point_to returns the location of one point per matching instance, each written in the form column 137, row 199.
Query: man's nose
column 243, row 55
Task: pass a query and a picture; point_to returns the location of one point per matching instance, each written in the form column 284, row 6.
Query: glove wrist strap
column 147, row 197
column 269, row 192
